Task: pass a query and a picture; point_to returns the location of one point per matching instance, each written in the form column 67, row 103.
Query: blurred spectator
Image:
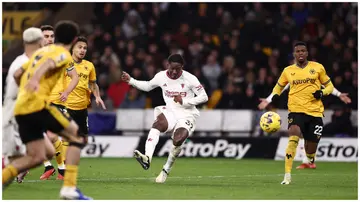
column 133, row 99
column 246, row 45
column 211, row 71
column 230, row 98
column 340, row 124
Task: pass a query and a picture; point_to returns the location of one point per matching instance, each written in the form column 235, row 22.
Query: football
column 270, row 122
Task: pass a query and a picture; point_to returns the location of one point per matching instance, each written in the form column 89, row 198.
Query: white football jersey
column 11, row 88
column 187, row 85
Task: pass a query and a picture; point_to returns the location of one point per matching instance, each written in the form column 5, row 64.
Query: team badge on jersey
column 182, row 85
column 312, row 71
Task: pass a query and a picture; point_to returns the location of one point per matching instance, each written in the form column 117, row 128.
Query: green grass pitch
column 195, row 178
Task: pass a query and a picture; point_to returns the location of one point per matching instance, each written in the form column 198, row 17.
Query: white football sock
column 175, row 151
column 61, row 166
column 151, row 142
column 47, row 163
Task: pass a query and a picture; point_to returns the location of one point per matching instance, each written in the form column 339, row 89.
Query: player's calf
column 180, row 136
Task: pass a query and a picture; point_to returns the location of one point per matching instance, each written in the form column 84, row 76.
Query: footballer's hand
column 344, row 97
column 99, row 101
column 32, row 85
column 63, row 96
column 125, row 77
column 318, row 94
column 263, row 103
column 178, row 99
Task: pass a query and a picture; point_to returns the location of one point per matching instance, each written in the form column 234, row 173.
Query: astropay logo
column 340, row 149
column 220, row 147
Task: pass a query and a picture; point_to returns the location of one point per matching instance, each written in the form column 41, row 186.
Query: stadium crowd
column 236, row 50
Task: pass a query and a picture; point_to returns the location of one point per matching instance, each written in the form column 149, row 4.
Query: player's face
column 80, row 49
column 49, row 37
column 300, row 53
column 174, row 70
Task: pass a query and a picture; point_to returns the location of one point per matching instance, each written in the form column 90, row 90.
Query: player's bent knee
column 52, row 136
column 180, row 136
column 294, row 130
column 160, row 123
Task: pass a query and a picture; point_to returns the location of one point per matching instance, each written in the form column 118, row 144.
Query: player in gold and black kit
column 35, row 114
column 79, row 99
column 304, row 104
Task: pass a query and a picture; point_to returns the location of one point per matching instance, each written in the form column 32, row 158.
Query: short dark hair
column 66, row 31
column 47, row 28
column 81, row 39
column 300, row 43
column 176, row 58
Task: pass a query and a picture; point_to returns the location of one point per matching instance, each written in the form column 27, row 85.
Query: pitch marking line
column 174, row 177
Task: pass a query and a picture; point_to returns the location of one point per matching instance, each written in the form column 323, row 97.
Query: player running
column 13, row 147
column 58, row 97
column 304, row 104
column 34, row 113
column 179, row 116
column 306, row 161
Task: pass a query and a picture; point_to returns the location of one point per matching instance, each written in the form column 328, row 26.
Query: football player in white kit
column 12, row 145
column 179, row 116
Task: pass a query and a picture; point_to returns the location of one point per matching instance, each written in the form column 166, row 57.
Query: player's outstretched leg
column 160, row 125
column 49, row 168
column 69, row 190
column 294, row 136
column 36, row 154
column 310, row 150
column 179, row 138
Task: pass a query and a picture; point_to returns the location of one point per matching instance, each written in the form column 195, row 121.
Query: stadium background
column 237, row 50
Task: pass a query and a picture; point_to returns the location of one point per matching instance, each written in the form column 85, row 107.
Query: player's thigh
column 60, row 123
column 298, row 120
column 314, row 129
column 31, row 126
column 11, row 141
column 169, row 116
column 187, row 124
column 81, row 119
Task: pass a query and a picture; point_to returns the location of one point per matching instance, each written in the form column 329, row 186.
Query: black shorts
column 61, row 107
column 81, row 119
column 311, row 126
column 32, row 126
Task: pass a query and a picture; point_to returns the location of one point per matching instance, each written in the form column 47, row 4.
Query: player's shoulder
column 316, row 65
column 87, row 63
column 19, row 60
column 188, row 75
column 289, row 67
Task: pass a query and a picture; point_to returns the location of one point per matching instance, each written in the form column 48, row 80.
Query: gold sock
column 290, row 153
column 311, row 157
column 70, row 177
column 59, row 152
column 64, row 149
column 9, row 173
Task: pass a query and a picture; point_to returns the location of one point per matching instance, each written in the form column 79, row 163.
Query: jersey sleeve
column 283, row 81
column 70, row 66
column 61, row 58
column 92, row 76
column 324, row 78
column 198, row 90
column 147, row 85
column 25, row 66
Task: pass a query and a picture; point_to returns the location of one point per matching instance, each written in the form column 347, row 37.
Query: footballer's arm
column 198, row 89
column 142, row 85
column 17, row 75
column 71, row 72
column 96, row 92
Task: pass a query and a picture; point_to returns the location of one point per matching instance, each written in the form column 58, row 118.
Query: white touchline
column 189, row 177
